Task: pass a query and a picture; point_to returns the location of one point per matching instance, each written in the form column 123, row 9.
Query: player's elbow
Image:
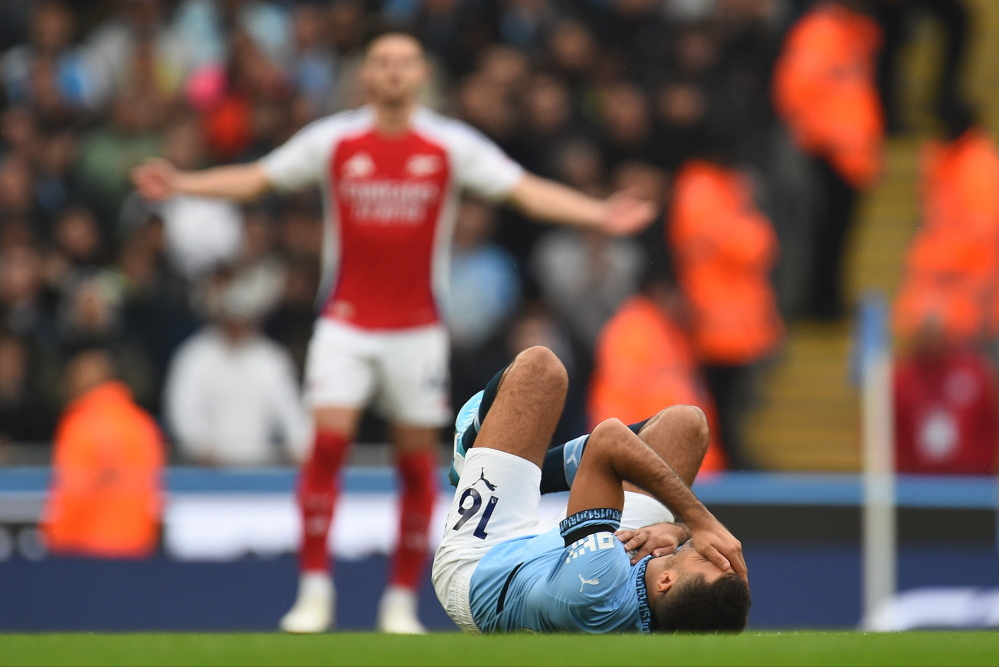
column 544, row 367
column 609, row 433
column 528, row 196
column 254, row 186
column 611, row 424
column 689, row 422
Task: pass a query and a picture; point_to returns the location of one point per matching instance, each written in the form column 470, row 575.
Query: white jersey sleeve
column 298, row 162
column 479, row 164
column 301, row 161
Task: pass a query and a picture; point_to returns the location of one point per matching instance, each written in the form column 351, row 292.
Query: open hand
column 714, row 542
column 659, row 539
column 155, row 179
column 626, row 213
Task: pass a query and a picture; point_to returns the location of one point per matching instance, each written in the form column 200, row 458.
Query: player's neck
column 393, row 120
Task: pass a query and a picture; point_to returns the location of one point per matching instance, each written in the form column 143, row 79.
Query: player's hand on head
column 626, row 213
column 154, row 179
column 719, row 546
column 659, row 539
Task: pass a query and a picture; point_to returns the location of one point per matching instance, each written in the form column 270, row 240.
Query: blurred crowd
column 709, row 107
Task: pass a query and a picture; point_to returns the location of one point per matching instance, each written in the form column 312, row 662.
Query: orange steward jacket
column 952, row 267
column 725, row 248
column 105, row 498
column 825, row 92
column 644, row 364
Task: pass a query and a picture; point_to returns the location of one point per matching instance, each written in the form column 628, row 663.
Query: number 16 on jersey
column 467, row 511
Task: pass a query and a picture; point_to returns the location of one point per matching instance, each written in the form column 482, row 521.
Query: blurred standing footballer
column 391, row 173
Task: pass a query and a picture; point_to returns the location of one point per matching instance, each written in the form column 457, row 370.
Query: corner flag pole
column 880, row 546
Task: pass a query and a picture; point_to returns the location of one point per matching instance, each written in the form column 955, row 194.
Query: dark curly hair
column 698, row 606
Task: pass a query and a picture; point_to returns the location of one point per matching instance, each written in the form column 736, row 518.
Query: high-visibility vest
column 960, row 206
column 960, row 303
column 725, row 249
column 952, row 266
column 642, row 364
column 105, row 498
column 825, row 92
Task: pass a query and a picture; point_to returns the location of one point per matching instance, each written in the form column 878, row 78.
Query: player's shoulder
column 451, row 130
column 600, row 554
column 340, row 123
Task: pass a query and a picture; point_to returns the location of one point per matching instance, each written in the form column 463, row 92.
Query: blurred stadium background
column 597, row 93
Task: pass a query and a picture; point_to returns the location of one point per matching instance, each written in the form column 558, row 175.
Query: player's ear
column 666, row 580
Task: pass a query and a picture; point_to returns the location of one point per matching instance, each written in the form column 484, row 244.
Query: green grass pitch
column 441, row 650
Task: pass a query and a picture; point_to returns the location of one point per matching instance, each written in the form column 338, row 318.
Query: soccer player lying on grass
column 500, row 569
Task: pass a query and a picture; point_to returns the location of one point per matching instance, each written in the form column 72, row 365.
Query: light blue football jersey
column 538, row 583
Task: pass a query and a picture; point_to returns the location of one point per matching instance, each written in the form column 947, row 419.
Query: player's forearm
column 614, row 455
column 645, row 469
column 238, row 181
column 547, row 200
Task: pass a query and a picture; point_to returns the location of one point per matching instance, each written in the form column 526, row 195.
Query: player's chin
column 398, row 95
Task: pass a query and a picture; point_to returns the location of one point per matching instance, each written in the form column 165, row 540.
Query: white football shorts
column 496, row 500
column 641, row 510
column 404, row 374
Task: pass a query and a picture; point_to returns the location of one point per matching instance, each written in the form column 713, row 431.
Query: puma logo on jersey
column 359, row 166
column 423, row 165
column 583, row 582
column 482, row 478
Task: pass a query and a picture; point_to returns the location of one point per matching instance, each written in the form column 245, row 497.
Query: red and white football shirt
column 390, row 208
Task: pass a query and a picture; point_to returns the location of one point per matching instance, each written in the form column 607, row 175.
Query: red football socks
column 418, row 475
column 318, row 489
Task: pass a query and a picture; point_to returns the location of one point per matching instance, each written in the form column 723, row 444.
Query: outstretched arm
column 613, row 455
column 619, row 214
column 158, row 179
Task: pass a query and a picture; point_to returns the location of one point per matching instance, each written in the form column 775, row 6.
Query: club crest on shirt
column 423, row 164
column 359, row 165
